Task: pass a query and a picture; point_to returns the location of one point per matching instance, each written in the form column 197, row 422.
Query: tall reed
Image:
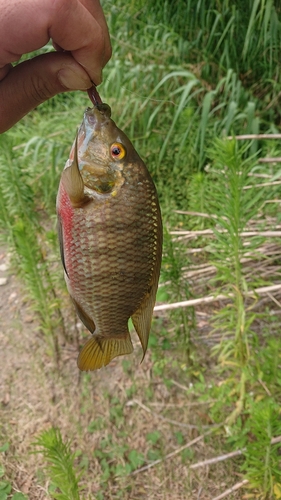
column 233, row 207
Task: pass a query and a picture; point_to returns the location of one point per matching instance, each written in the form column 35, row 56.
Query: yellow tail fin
column 99, row 351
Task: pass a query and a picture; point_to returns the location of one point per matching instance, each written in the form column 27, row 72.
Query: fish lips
column 97, row 116
column 94, row 120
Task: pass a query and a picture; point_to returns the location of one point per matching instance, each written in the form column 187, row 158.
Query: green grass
column 60, row 466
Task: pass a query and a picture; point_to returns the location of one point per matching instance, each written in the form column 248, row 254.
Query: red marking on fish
column 66, row 212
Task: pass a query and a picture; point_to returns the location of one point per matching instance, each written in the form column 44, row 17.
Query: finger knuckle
column 40, row 90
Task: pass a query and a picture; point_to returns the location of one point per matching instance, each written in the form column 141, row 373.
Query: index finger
column 80, row 28
column 77, row 26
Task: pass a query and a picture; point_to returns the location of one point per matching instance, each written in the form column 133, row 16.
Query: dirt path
column 118, row 409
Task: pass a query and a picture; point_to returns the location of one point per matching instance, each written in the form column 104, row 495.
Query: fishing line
column 149, row 98
column 139, row 95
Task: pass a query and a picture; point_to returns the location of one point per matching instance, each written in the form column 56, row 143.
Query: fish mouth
column 93, row 122
column 95, row 117
column 102, row 107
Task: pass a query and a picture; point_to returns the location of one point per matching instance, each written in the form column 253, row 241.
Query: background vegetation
column 185, row 75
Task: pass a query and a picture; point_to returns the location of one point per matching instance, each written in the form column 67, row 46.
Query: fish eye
column 117, row 151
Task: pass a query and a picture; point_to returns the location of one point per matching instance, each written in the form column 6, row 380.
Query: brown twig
column 254, row 136
column 263, row 176
column 181, row 386
column 215, row 460
column 196, row 214
column 276, row 440
column 191, row 303
column 211, row 232
column 274, row 299
column 158, row 416
column 221, row 458
column 214, row 298
column 184, row 404
column 236, row 487
column 173, row 453
column 264, row 386
column 262, row 184
column 277, row 159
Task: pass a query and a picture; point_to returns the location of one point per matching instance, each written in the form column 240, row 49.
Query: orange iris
column 117, row 151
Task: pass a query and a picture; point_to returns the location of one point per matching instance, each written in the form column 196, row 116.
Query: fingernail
column 98, row 79
column 73, row 80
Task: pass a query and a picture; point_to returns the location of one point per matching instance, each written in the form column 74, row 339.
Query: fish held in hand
column 110, row 234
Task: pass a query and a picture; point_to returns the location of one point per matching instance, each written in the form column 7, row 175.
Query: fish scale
column 105, row 272
column 111, row 238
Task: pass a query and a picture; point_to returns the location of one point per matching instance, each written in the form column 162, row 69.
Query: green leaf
column 123, row 470
column 19, row 496
column 154, row 455
column 179, row 437
column 153, row 437
column 187, row 454
column 5, row 487
column 136, row 459
column 60, row 462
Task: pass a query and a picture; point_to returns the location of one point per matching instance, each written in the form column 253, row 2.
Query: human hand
column 75, row 26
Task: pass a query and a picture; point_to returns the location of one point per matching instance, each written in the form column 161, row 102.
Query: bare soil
column 114, row 410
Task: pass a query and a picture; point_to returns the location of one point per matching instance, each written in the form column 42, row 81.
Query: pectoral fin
column 73, row 182
column 88, row 322
column 99, row 351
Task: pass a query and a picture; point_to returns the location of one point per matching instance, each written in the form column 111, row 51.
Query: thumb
column 34, row 81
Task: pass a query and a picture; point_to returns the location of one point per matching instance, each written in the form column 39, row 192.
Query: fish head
column 104, row 151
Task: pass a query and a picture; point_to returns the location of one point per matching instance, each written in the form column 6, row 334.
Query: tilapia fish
column 110, row 236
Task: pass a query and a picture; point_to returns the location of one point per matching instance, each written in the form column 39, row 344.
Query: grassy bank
column 184, row 77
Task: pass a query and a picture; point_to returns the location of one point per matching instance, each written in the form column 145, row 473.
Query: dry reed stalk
column 262, row 184
column 215, row 460
column 254, row 136
column 210, row 232
column 175, row 452
column 232, row 454
column 214, row 298
column 236, row 487
column 277, row 159
column 159, row 416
